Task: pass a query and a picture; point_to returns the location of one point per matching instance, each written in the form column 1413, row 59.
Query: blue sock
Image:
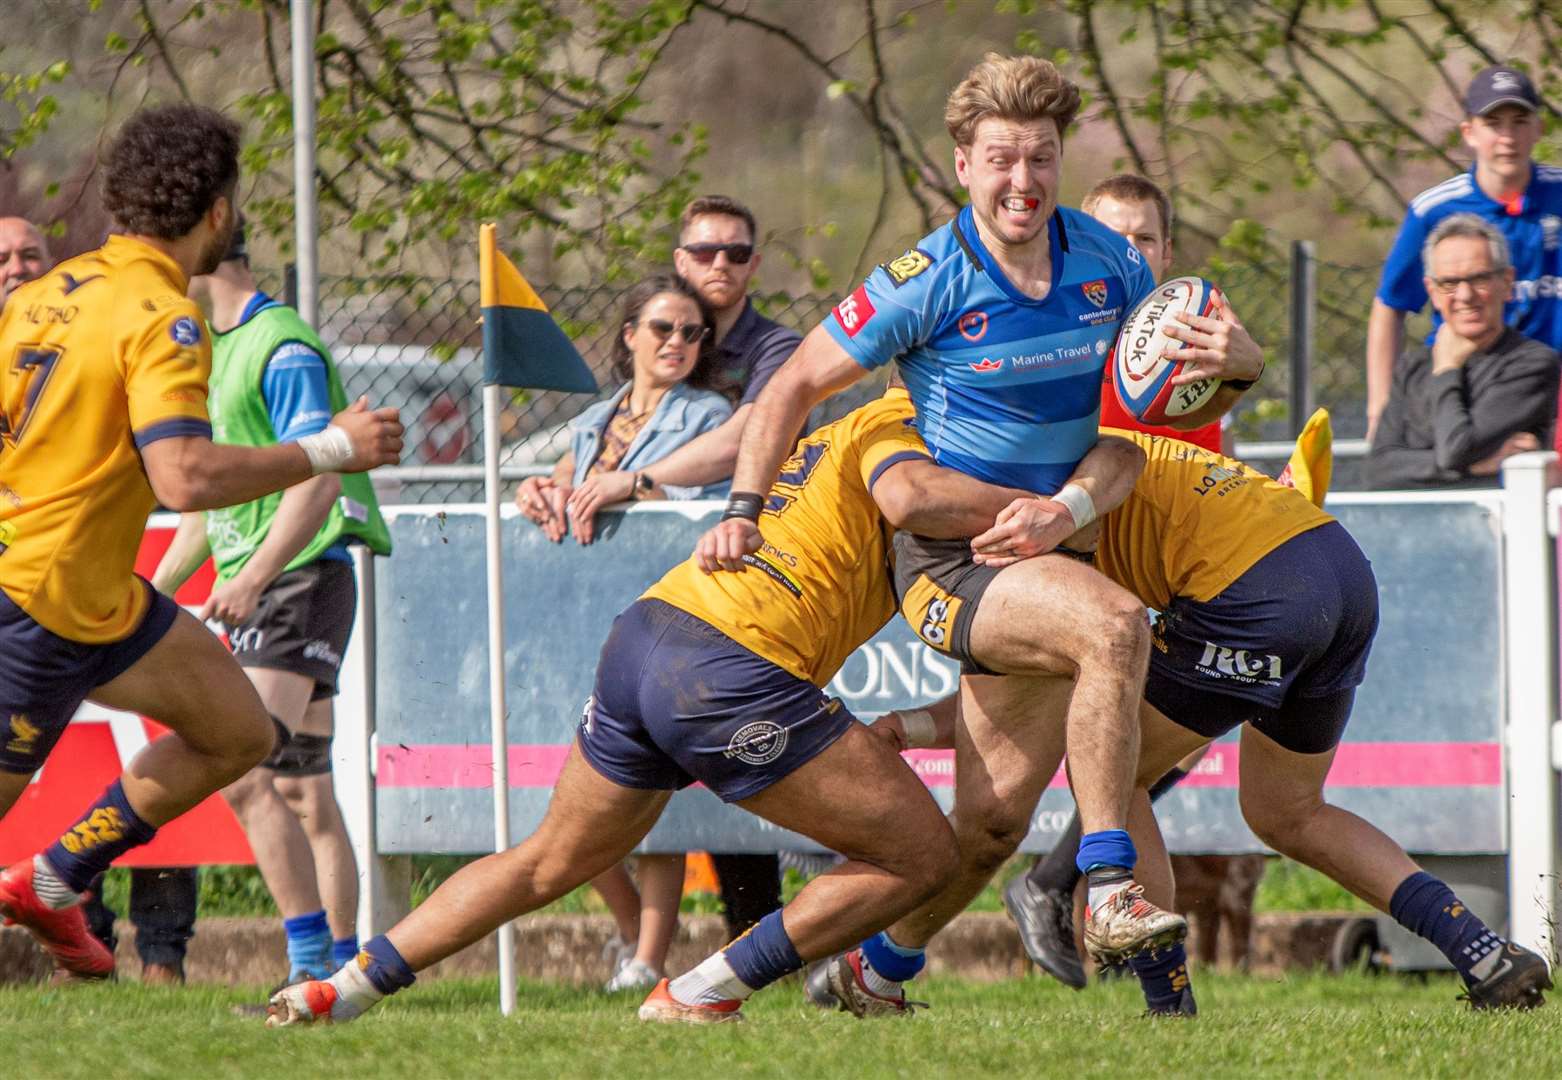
column 343, row 949
column 106, row 831
column 893, row 961
column 764, row 954
column 383, row 966
column 308, row 945
column 1163, row 975
column 1109, row 847
column 1426, row 907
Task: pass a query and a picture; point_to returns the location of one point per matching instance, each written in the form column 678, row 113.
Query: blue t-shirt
column 1007, row 388
column 1534, row 235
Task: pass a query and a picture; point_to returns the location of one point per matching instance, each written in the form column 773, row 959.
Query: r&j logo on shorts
column 758, row 743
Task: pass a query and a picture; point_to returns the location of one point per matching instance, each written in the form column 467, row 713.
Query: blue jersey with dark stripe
column 1007, row 388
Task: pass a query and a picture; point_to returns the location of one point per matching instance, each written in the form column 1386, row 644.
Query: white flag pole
column 306, row 230
column 496, row 694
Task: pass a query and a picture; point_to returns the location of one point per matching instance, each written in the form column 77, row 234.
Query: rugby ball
column 1141, row 374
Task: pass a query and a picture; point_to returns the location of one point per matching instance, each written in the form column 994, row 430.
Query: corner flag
column 522, row 345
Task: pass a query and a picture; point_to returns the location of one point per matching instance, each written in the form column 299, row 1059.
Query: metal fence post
column 1304, row 318
column 290, row 285
column 1530, row 648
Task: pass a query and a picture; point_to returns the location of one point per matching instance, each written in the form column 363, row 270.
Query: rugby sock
column 1163, row 975
column 710, row 984
column 308, row 945
column 1106, row 859
column 1428, row 908
column 108, row 829
column 888, row 964
column 1056, row 871
column 343, row 950
column 764, row 954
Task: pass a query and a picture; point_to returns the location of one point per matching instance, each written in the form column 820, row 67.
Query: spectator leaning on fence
column 716, row 254
column 1483, row 391
column 1504, row 187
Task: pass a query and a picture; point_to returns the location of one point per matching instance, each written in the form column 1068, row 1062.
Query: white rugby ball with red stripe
column 1141, row 374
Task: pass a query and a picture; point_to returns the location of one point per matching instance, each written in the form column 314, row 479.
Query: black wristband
column 1245, row 384
column 744, row 504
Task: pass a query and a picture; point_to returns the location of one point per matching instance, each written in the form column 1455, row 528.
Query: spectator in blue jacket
column 664, row 352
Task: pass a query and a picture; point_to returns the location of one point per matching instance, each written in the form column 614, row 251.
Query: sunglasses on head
column 706, row 253
column 688, row 332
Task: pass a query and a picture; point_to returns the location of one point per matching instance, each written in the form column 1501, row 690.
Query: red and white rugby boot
column 1127, row 924
column 661, row 1007
column 844, row 973
column 63, row 933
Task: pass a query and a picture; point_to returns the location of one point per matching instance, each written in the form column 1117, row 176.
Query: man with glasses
column 1481, row 391
column 1505, row 187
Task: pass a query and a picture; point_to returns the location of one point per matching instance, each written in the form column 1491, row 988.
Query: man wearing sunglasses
column 1481, row 391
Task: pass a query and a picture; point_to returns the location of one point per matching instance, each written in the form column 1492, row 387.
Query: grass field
column 1315, row 1025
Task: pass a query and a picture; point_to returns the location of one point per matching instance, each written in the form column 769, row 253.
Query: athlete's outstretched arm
column 939, row 503
column 184, row 556
column 1106, row 475
column 816, row 370
column 189, row 472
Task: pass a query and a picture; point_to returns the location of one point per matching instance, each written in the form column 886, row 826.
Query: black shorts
column 44, row 678
column 302, row 624
column 1283, row 647
column 677, row 701
column 939, row 587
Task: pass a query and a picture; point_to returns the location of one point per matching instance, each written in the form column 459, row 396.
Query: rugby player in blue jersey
column 1001, row 322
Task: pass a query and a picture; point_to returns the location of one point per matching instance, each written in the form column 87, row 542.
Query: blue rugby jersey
column 1007, row 388
column 1534, row 233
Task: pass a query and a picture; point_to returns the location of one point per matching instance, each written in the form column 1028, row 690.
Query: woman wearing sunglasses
column 664, row 351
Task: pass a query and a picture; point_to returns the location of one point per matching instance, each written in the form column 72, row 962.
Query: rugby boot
column 633, row 976
column 1517, row 980
column 312, row 1002
column 63, row 934
column 1045, row 921
column 1128, row 924
column 660, row 1007
column 816, row 984
column 844, row 974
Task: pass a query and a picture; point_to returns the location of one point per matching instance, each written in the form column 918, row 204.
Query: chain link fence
column 416, row 343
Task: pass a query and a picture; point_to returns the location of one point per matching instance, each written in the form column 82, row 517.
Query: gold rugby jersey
column 1196, row 521
column 101, row 356
column 820, row 586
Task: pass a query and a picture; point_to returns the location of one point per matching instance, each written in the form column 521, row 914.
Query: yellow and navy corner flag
column 522, row 346
column 1312, row 461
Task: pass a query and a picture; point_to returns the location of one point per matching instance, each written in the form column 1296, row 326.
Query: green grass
column 1356, row 1026
column 238, row 890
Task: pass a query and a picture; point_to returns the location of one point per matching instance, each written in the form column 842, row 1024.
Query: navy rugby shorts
column 677, row 701
column 1283, row 647
column 44, row 678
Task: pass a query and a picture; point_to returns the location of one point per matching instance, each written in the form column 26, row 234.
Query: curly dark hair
column 703, row 376
column 167, row 166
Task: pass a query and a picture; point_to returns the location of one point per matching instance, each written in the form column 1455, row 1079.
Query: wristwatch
column 643, row 486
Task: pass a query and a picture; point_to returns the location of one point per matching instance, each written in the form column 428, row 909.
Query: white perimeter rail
column 1529, row 516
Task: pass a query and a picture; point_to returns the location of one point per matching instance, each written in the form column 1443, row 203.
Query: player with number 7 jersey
column 103, row 385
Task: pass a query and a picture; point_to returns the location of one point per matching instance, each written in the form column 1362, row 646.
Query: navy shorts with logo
column 44, row 678
column 677, row 701
column 1283, row 647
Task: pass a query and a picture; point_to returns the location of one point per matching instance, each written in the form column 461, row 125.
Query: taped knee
column 300, row 755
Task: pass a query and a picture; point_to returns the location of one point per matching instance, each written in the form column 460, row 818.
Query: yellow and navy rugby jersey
column 820, row 586
column 98, row 358
column 1196, row 521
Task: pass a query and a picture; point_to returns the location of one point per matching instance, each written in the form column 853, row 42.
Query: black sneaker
column 1046, row 923
column 1517, row 981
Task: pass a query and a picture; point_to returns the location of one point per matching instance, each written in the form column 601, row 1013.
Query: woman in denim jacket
column 664, row 351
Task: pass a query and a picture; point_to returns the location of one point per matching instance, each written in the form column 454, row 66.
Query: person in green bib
column 287, row 594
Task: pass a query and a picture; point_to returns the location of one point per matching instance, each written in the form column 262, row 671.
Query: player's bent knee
column 1279, row 824
column 988, row 844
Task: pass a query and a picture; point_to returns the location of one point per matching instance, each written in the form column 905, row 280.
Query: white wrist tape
column 1079, row 503
column 919, row 727
column 328, row 450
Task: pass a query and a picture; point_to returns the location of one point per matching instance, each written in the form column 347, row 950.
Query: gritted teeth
column 1020, row 203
